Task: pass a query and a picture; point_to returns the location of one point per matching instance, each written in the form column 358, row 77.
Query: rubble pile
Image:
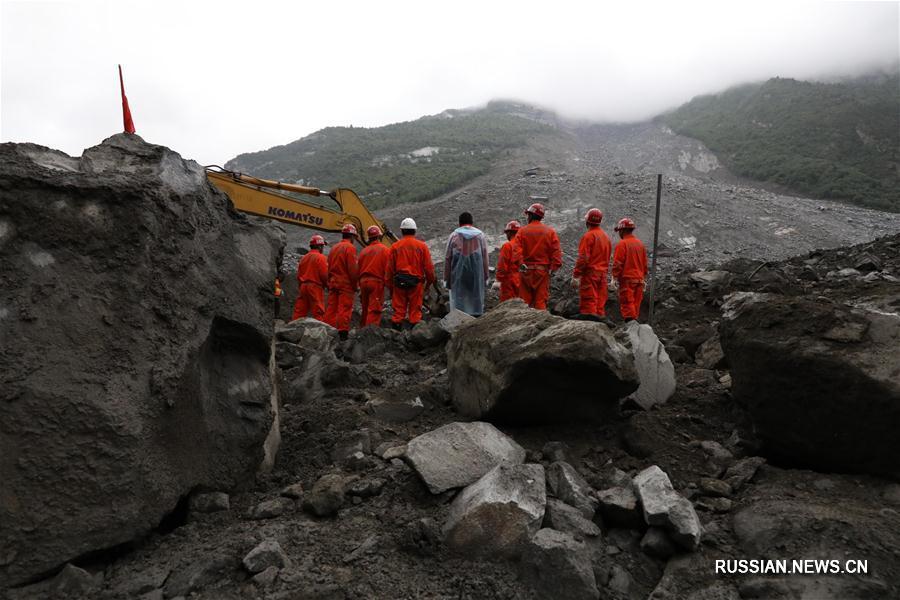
column 382, row 485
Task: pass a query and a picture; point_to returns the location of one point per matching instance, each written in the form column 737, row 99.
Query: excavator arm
column 265, row 198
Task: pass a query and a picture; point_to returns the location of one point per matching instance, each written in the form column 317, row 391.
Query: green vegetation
column 403, row 162
column 837, row 140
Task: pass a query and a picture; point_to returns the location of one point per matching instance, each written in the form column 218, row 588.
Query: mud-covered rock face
column 136, row 328
column 821, row 379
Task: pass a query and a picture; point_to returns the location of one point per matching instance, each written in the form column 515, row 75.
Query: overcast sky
column 214, row 79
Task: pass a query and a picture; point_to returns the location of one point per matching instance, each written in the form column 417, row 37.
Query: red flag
column 126, row 112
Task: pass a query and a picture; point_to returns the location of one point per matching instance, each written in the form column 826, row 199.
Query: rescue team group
column 527, row 261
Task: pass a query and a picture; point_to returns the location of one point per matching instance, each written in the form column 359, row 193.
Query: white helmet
column 408, row 223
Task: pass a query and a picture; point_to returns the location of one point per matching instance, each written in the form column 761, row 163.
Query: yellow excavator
column 267, row 198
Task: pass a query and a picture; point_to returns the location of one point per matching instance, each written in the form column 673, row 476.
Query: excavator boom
column 263, row 197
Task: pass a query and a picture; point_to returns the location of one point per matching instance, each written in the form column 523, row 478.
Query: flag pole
column 655, row 247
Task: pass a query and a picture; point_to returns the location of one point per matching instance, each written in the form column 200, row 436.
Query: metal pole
column 655, row 244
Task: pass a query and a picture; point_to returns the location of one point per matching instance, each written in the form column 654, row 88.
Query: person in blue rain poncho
column 466, row 267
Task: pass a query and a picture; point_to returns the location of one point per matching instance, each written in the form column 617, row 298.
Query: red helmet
column 625, row 223
column 593, row 216
column 512, row 226
column 373, row 232
column 535, row 209
column 317, row 240
column 349, row 228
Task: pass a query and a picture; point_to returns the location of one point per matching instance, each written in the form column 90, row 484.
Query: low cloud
column 212, row 80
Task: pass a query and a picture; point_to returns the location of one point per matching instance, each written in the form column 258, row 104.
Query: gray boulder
column 454, row 319
column 499, row 513
column 395, row 411
column 655, row 369
column 265, row 555
column 710, row 354
column 568, row 485
column 620, row 580
column 568, row 519
column 710, row 281
column 326, row 496
column 137, row 346
column 619, row 507
column 520, row 365
column 715, row 487
column 268, row 509
column 664, row 507
column 307, row 353
column 817, row 399
column 457, row 454
column 557, row 566
column 308, row 333
column 427, row 334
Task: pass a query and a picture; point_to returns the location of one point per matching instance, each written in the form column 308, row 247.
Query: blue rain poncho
column 466, row 269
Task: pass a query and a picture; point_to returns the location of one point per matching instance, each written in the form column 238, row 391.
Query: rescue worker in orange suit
column 342, row 279
column 312, row 279
column 592, row 266
column 629, row 270
column 372, row 262
column 541, row 258
column 410, row 273
column 509, row 263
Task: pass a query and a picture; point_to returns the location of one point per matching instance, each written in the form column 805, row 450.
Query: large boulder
column 497, row 515
column 555, row 565
column 568, row 485
column 309, row 334
column 306, row 353
column 136, row 322
column 457, row 454
column 522, row 365
column 821, row 380
column 664, row 507
column 655, row 369
column 454, row 320
column 568, row 519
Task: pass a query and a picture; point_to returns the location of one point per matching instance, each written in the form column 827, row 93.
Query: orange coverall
column 411, row 256
column 630, row 270
column 312, row 277
column 508, row 270
column 341, row 285
column 541, row 254
column 591, row 269
column 373, row 263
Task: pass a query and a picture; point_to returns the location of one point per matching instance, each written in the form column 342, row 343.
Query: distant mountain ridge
column 826, row 140
column 402, row 162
